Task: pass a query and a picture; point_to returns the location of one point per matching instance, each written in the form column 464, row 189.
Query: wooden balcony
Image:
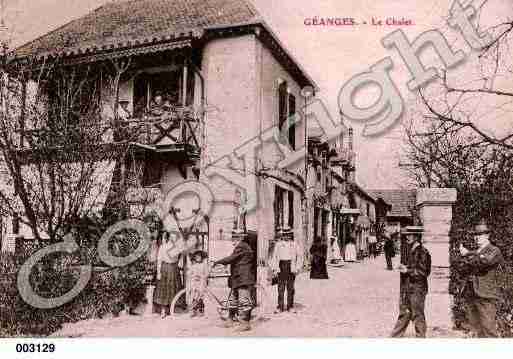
column 171, row 136
column 343, row 157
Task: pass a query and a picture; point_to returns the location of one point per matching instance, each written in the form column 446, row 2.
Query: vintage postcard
column 256, row 168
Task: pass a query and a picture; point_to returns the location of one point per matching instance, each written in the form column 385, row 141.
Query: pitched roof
column 115, row 24
column 401, row 200
column 362, row 192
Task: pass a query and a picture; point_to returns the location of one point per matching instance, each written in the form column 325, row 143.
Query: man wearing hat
column 480, row 289
column 241, row 280
column 415, row 273
column 389, row 249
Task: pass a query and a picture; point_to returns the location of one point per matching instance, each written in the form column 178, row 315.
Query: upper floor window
column 292, row 125
column 283, row 208
column 286, row 112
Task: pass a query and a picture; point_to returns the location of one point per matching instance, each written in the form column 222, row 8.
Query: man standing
column 480, row 289
column 372, row 246
column 241, row 280
column 286, row 261
column 415, row 285
column 389, row 251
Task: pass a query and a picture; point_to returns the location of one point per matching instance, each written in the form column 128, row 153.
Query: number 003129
column 35, row 348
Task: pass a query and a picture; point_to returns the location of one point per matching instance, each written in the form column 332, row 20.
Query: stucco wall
column 229, row 68
column 272, row 74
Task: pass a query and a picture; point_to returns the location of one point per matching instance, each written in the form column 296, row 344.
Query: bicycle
column 214, row 305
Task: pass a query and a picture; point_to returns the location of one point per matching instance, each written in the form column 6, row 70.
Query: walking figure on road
column 480, row 289
column 389, row 251
column 373, row 252
column 415, row 269
column 286, row 261
column 319, row 250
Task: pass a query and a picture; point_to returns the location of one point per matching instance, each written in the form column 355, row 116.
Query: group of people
column 170, row 257
column 479, row 268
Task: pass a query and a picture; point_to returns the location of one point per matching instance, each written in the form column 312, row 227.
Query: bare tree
column 57, row 150
column 468, row 102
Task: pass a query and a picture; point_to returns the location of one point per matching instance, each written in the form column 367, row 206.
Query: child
column 198, row 275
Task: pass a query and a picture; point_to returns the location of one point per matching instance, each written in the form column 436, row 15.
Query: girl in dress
column 169, row 279
column 198, row 276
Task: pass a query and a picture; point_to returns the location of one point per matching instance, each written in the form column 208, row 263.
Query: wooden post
column 23, row 111
column 184, row 101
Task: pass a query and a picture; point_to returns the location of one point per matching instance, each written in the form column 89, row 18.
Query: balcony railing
column 177, row 127
column 343, row 157
column 175, row 130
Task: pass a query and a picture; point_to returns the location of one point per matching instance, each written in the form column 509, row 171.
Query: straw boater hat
column 200, row 252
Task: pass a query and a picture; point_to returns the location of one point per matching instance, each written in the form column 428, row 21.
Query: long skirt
column 169, row 284
column 350, row 252
column 318, row 269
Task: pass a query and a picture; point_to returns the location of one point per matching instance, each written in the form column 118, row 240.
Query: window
column 280, row 195
column 282, row 104
column 291, row 209
column 278, row 207
column 286, row 111
column 292, row 126
column 368, row 210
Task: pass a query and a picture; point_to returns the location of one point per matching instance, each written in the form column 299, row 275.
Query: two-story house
column 192, row 83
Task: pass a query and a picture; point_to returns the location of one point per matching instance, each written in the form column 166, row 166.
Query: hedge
column 107, row 293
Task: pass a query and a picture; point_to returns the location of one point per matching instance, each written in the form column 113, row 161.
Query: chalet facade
column 183, row 85
column 186, row 83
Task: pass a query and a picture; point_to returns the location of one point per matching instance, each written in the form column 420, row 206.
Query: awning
column 351, row 211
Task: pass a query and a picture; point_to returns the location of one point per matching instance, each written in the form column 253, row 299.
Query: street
column 359, row 300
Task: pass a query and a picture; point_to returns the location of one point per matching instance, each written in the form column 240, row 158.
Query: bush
column 470, row 207
column 107, row 293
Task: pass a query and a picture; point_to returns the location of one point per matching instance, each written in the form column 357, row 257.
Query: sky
column 331, row 54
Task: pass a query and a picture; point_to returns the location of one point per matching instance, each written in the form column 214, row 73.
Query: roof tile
column 142, row 20
column 402, row 201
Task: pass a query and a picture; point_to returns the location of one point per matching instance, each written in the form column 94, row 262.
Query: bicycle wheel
column 211, row 307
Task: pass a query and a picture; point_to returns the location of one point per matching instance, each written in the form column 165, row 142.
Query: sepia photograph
column 254, row 168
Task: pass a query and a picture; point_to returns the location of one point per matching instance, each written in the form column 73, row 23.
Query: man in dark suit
column 389, row 251
column 413, row 296
column 480, row 289
column 242, row 279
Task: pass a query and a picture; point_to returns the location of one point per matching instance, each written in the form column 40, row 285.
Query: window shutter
column 292, row 127
column 291, row 209
column 282, row 104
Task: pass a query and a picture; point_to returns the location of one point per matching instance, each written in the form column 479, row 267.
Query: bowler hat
column 481, row 228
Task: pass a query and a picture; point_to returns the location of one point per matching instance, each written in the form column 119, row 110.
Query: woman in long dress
column 318, row 251
column 335, row 252
column 350, row 251
column 169, row 280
